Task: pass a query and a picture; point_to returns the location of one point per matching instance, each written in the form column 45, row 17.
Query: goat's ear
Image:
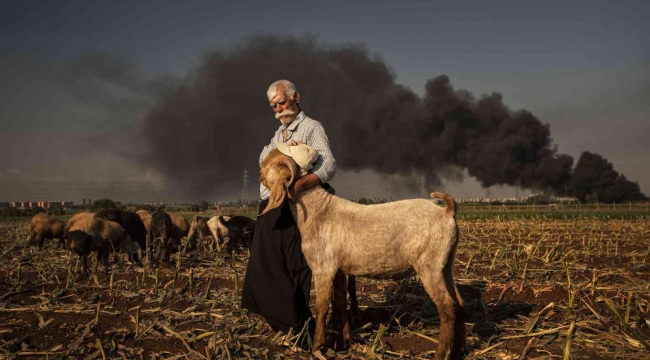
column 278, row 193
column 283, row 180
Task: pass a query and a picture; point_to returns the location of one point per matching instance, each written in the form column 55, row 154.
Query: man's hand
column 303, row 183
column 294, row 143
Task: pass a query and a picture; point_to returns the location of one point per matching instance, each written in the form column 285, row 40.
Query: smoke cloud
column 203, row 133
column 594, row 179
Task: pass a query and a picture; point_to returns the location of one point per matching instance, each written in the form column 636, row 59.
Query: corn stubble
column 533, row 288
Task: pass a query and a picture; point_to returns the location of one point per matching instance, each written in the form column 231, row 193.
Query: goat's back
column 217, row 228
column 105, row 234
column 180, row 225
column 384, row 240
column 130, row 222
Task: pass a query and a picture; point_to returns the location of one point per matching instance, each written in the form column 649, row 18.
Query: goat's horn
column 291, row 166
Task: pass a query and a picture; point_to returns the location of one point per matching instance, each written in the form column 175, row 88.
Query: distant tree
column 363, row 201
column 538, row 199
column 103, row 204
column 56, row 211
column 592, row 198
column 11, row 212
column 34, row 211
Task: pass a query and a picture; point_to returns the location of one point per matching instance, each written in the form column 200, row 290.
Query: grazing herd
column 113, row 230
column 340, row 240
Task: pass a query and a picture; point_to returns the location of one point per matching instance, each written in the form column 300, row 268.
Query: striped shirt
column 310, row 132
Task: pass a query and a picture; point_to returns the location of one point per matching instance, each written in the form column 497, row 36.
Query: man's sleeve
column 267, row 149
column 325, row 166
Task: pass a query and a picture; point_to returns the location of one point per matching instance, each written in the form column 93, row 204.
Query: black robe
column 278, row 279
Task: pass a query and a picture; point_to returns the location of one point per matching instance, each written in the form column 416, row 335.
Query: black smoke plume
column 594, row 179
column 204, row 133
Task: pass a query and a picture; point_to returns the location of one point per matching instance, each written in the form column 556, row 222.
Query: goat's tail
column 440, row 197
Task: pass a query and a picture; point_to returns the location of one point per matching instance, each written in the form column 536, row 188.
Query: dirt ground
column 528, row 287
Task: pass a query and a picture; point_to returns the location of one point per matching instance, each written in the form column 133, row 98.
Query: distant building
column 51, row 204
column 40, row 204
column 5, row 205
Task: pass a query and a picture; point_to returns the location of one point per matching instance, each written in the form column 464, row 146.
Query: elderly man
column 278, row 279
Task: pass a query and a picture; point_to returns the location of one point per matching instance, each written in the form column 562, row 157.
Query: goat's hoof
column 355, row 317
column 316, row 348
column 325, row 353
column 341, row 344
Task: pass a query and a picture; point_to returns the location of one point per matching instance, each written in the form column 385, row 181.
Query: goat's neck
column 311, row 204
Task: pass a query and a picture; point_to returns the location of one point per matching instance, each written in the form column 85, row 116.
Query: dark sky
column 77, row 78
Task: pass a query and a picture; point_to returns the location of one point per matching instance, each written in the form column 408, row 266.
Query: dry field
column 533, row 289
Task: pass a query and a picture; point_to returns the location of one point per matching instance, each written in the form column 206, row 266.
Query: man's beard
column 287, row 112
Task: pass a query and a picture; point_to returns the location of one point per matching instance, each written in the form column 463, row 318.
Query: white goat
column 380, row 241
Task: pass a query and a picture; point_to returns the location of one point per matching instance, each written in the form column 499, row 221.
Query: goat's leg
column 105, row 259
column 84, row 264
column 459, row 308
column 354, row 303
column 323, row 284
column 219, row 242
column 450, row 310
column 97, row 261
column 339, row 310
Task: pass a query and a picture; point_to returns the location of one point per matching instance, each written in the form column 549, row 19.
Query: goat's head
column 79, row 242
column 196, row 228
column 278, row 173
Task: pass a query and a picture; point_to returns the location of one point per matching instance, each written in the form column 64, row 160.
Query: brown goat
column 145, row 216
column 341, row 237
column 104, row 236
column 44, row 226
column 180, row 226
column 76, row 217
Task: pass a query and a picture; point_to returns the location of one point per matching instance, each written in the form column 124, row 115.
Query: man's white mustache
column 284, row 113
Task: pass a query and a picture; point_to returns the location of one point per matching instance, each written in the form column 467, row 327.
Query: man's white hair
column 286, row 85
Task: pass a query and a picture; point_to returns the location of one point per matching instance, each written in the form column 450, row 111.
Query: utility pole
column 423, row 186
column 243, row 190
column 489, row 199
column 517, row 192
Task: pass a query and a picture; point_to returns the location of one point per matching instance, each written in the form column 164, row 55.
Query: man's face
column 286, row 109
